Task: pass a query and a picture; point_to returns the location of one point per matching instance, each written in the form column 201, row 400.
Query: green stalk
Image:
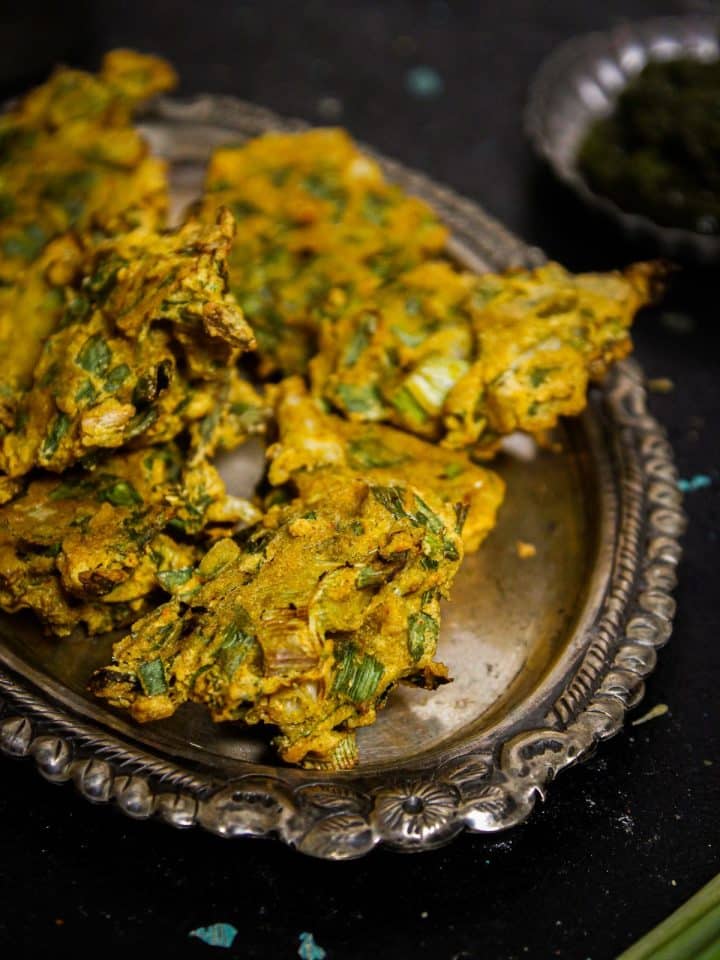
column 691, row 933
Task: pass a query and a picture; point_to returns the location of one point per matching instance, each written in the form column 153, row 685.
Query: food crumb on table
column 329, row 108
column 697, row 482
column 424, row 83
column 216, row 935
column 525, row 550
column 659, row 710
column 660, row 385
column 309, row 949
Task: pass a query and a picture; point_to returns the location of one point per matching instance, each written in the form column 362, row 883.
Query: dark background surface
column 622, row 840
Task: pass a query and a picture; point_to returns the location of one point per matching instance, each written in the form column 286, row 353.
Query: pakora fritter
column 466, row 359
column 69, row 161
column 91, row 547
column 310, row 439
column 149, row 324
column 305, row 624
column 319, row 229
column 31, row 308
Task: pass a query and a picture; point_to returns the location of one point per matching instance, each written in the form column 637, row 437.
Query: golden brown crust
column 319, row 229
column 306, row 624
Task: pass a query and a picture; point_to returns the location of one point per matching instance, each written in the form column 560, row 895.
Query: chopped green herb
column 368, row 577
column 413, row 306
column 151, row 674
column 171, row 579
column 49, row 375
column 356, row 399
column 141, row 422
column 208, row 425
column 368, row 451
column 258, row 542
column 70, row 191
column 82, row 522
column 242, row 209
column 117, row 376
column 423, row 631
column 450, row 551
column 538, row 375
column 68, row 489
column 236, row 645
column 359, row 340
column 103, row 280
column 21, row 419
column 407, row 337
column 51, row 550
column 76, row 310
column 94, row 355
column 375, row 207
column 250, row 417
column 453, row 470
column 120, row 494
column 391, row 498
column 58, row 428
column 27, row 245
column 86, row 391
column 461, row 512
column 426, row 518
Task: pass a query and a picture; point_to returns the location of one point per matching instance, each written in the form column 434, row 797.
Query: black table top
column 622, row 840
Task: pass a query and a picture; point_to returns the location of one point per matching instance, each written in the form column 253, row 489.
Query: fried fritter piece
column 235, row 411
column 319, row 229
column 91, row 547
column 69, row 161
column 30, row 309
column 306, row 624
column 69, row 158
column 310, row 439
column 149, row 325
column 466, row 359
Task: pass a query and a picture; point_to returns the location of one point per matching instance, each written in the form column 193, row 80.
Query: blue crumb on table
column 216, row 935
column 308, row 949
column 699, row 482
column 424, row 82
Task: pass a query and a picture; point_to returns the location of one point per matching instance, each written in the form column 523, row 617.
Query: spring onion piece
column 431, row 381
column 358, row 677
column 406, row 405
column 422, row 630
column 360, row 399
column 691, row 933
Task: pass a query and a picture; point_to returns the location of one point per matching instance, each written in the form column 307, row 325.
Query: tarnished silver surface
column 547, row 653
column 581, row 81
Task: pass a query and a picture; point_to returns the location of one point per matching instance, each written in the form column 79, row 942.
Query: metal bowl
column 547, row 653
column 581, row 81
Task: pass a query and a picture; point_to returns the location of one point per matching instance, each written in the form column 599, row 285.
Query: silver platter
column 547, row 653
column 581, row 82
